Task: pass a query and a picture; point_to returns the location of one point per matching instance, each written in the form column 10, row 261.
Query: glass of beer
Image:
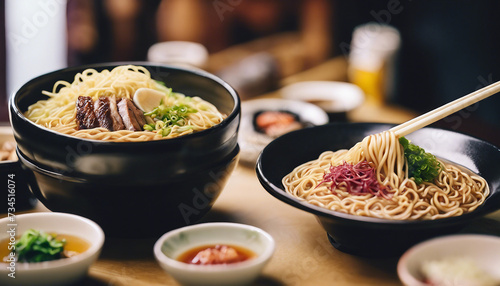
column 372, row 59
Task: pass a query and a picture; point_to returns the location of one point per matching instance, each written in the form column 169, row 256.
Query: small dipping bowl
column 56, row 272
column 334, row 97
column 176, row 242
column 481, row 250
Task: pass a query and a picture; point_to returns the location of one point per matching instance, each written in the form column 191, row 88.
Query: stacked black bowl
column 131, row 188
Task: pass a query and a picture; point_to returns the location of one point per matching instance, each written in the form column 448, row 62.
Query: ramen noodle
column 393, row 194
column 58, row 112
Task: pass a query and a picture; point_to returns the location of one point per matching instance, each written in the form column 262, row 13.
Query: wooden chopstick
column 445, row 110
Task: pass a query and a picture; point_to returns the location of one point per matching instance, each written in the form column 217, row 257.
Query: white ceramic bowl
column 482, row 251
column 331, row 96
column 253, row 142
column 56, row 272
column 174, row 243
column 179, row 53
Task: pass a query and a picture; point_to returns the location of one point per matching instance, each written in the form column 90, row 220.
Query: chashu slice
column 115, row 115
column 103, row 112
column 128, row 113
column 85, row 116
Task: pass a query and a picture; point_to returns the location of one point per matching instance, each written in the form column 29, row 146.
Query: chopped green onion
column 149, row 127
column 175, row 115
column 38, row 246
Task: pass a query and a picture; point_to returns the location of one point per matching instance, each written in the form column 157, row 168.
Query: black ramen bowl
column 131, row 188
column 366, row 236
column 16, row 191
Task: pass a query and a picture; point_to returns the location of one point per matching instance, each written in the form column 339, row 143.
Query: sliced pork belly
column 102, row 111
column 127, row 111
column 85, row 116
column 139, row 115
column 115, row 116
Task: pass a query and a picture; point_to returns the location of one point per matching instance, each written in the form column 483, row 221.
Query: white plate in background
column 252, row 142
column 331, row 96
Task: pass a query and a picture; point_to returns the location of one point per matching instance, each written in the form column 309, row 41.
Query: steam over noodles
column 59, row 111
column 452, row 193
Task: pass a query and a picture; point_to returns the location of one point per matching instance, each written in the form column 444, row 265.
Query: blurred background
column 407, row 56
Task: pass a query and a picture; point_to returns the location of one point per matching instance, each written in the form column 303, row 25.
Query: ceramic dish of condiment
column 83, row 241
column 464, row 259
column 214, row 253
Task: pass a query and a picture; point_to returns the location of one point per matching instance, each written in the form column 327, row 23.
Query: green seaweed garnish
column 38, row 246
column 422, row 166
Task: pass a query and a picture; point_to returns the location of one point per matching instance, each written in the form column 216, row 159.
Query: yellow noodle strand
column 59, row 110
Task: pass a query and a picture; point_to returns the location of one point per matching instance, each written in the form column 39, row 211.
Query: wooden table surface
column 303, row 253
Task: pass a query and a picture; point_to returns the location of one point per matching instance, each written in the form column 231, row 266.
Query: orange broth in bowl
column 74, row 245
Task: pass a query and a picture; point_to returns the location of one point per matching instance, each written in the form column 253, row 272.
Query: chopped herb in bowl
column 38, row 246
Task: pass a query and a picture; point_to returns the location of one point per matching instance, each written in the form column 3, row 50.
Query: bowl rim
column 95, row 246
column 13, row 106
column 260, row 259
column 402, row 265
column 356, row 98
column 286, row 104
column 279, row 193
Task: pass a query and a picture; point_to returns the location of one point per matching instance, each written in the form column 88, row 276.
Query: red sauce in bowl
column 216, row 254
